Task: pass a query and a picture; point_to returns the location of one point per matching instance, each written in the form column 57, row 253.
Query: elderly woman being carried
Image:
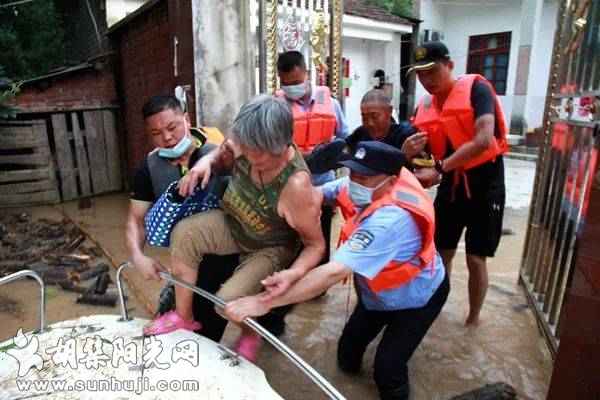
column 269, row 209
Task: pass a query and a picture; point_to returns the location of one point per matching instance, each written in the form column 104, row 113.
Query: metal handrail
column 22, row 274
column 124, row 313
column 321, row 382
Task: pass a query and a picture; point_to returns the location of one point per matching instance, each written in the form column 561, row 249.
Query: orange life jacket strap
column 392, row 274
column 456, row 177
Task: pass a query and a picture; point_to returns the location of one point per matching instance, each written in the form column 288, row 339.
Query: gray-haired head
column 376, row 97
column 264, row 123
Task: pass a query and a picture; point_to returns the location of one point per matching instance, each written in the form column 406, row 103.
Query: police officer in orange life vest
column 318, row 118
column 387, row 243
column 466, row 131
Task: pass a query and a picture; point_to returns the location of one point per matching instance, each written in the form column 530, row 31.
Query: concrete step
column 521, row 156
column 515, row 140
column 525, row 149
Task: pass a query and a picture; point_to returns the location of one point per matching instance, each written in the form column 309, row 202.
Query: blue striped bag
column 170, row 208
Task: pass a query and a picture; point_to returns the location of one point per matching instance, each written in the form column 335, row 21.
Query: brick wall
column 77, row 89
column 145, row 68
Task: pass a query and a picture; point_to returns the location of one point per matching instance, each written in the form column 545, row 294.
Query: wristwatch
column 438, row 166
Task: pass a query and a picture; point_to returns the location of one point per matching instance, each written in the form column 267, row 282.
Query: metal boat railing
column 319, row 380
column 29, row 273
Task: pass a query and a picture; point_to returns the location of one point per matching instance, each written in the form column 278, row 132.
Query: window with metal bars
column 488, row 56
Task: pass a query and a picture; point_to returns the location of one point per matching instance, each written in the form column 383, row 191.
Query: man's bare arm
column 312, row 284
column 135, row 237
column 135, row 233
column 220, row 160
column 484, row 137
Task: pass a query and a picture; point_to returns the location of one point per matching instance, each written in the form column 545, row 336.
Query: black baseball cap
column 375, row 158
column 428, row 54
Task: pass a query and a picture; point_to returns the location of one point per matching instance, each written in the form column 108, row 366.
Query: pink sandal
column 169, row 322
column 248, row 345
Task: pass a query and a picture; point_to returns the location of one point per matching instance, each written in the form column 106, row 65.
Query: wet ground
column 19, row 300
column 452, row 359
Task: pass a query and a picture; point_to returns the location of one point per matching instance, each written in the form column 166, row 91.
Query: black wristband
column 438, row 166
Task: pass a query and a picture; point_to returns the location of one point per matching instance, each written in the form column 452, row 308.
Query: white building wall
column 392, row 67
column 432, row 16
column 365, row 57
column 460, row 22
column 116, row 10
column 540, row 65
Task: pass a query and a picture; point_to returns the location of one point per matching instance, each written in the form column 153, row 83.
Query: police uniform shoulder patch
column 360, row 240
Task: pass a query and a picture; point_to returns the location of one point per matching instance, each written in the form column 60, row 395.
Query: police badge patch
column 360, row 240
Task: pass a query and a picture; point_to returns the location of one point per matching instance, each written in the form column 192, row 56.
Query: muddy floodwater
column 452, row 359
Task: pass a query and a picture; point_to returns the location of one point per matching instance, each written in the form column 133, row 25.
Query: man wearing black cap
column 466, row 131
column 387, row 243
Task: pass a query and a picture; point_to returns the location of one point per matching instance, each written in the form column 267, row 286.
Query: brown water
column 452, row 359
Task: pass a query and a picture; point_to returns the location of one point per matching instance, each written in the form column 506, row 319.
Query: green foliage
column 401, row 8
column 31, row 39
column 6, row 94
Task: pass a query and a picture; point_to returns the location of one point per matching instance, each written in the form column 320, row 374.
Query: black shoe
column 400, row 393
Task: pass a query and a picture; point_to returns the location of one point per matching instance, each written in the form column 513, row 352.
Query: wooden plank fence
column 78, row 157
column 27, row 174
column 87, row 153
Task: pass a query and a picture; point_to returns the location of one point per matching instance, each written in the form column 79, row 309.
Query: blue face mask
column 178, row 150
column 362, row 196
column 294, row 92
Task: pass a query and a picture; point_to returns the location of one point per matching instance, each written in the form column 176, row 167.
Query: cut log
column 102, row 282
column 90, row 273
column 75, row 243
column 54, row 276
column 107, row 299
column 78, row 257
column 40, row 267
column 10, row 266
column 72, row 287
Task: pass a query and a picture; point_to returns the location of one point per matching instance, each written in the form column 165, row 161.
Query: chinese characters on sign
column 95, row 352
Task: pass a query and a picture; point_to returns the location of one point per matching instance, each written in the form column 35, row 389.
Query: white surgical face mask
column 294, row 92
column 361, row 195
column 178, row 150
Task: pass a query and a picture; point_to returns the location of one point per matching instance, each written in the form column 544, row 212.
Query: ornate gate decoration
column 567, row 167
column 313, row 27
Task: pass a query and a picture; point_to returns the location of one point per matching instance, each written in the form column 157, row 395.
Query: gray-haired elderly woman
column 268, row 208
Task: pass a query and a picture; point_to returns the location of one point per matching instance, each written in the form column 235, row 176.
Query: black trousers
column 212, row 273
column 326, row 217
column 404, row 331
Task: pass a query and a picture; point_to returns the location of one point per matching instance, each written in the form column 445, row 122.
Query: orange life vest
column 408, row 194
column 560, row 132
column 576, row 184
column 456, row 122
column 317, row 125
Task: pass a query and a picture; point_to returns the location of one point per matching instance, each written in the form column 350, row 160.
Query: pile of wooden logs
column 59, row 253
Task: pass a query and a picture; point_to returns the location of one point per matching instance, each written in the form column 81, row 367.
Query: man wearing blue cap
column 387, row 244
